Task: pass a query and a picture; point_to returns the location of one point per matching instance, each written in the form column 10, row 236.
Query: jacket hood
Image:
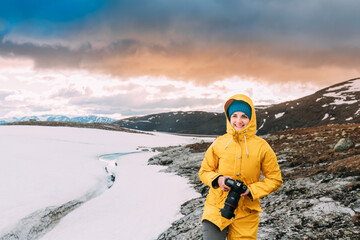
column 250, row 129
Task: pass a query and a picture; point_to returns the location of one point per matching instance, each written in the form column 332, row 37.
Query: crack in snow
column 37, row 224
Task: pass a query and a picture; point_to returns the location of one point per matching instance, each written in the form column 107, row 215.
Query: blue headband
column 239, row 106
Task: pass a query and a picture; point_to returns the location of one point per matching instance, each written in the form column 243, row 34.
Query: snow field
column 49, row 166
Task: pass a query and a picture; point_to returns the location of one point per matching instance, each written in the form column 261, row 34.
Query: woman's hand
column 245, row 193
column 225, row 188
column 221, row 182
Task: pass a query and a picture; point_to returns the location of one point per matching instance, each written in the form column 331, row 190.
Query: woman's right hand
column 221, row 182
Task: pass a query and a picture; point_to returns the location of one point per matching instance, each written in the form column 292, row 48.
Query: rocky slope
column 319, row 198
column 336, row 104
column 178, row 122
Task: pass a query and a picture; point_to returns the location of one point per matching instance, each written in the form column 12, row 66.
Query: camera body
column 232, row 200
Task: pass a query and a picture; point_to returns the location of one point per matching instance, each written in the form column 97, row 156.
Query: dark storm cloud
column 49, row 56
column 225, row 20
column 204, row 40
column 45, row 56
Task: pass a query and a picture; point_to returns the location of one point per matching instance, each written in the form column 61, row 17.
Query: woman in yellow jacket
column 240, row 155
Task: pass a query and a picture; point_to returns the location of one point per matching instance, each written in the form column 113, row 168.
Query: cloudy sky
column 120, row 58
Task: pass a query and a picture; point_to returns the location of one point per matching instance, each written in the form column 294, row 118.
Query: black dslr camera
column 232, row 200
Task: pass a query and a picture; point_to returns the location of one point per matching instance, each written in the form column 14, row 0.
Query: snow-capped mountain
column 336, row 104
column 60, row 118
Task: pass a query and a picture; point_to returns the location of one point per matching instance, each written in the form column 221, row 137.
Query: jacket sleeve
column 209, row 166
column 272, row 176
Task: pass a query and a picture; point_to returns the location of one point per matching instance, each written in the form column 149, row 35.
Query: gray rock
column 273, row 138
column 320, row 139
column 344, row 144
column 355, row 205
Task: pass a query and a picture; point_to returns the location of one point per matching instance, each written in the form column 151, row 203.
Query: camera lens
column 232, row 200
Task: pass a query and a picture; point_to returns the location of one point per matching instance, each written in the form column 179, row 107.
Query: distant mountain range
column 60, row 118
column 336, row 104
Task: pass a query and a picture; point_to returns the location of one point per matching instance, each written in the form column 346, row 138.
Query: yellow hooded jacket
column 241, row 155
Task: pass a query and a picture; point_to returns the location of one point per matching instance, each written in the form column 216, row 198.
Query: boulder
column 344, row 144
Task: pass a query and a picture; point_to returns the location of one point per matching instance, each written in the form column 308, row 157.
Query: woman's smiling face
column 239, row 120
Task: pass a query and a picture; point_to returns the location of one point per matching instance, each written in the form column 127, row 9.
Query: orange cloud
column 207, row 64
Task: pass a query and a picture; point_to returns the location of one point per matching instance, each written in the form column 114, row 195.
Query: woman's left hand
column 245, row 193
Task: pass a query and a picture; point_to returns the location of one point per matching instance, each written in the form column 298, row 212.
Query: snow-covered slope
column 336, row 104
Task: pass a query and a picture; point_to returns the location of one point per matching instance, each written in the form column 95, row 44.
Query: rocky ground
column 319, row 198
